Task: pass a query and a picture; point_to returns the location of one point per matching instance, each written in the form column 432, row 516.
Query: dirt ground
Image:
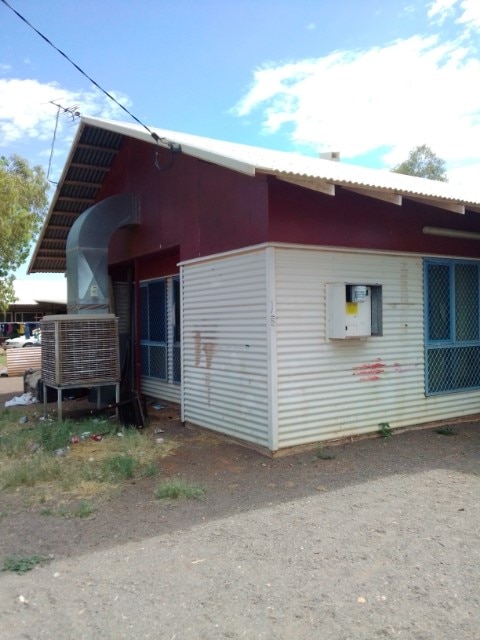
column 381, row 541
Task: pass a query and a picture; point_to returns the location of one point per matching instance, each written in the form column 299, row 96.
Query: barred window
column 160, row 348
column 176, row 347
column 153, row 329
column 452, row 333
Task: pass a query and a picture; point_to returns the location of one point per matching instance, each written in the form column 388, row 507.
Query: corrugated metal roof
column 98, row 141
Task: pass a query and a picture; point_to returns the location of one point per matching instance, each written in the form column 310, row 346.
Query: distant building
column 35, row 299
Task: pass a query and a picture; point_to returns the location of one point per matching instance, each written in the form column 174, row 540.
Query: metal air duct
column 87, row 252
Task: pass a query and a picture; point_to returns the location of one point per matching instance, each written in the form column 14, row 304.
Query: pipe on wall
column 88, row 286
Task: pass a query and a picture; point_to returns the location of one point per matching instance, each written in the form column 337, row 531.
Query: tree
column 422, row 162
column 23, row 205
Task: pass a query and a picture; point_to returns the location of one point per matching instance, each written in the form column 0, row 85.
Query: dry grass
column 29, row 458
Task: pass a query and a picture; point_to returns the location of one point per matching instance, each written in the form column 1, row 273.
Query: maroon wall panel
column 347, row 219
column 195, row 209
column 158, row 265
column 196, row 206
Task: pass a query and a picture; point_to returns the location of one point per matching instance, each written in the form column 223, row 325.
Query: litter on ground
column 24, row 399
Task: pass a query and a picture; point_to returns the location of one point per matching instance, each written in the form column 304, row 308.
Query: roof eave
column 53, row 202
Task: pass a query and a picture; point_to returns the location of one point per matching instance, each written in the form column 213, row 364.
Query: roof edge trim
column 189, row 150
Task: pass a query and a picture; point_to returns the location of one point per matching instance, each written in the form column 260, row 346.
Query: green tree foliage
column 23, row 205
column 424, row 163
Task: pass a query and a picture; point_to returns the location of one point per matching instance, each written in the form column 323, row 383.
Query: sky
column 371, row 79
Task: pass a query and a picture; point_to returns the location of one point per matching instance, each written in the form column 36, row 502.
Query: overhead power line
column 109, row 95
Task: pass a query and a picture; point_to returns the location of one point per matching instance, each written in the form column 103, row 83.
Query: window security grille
column 176, row 350
column 160, row 348
column 452, row 340
column 153, row 329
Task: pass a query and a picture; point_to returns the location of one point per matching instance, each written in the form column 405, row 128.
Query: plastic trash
column 24, row 399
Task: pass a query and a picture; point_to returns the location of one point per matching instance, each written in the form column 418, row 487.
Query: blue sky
column 371, row 79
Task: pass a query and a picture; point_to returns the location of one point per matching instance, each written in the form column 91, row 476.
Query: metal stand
column 60, row 396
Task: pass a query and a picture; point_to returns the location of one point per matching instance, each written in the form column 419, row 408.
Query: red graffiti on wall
column 370, row 371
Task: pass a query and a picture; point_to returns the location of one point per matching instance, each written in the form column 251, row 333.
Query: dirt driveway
column 380, row 541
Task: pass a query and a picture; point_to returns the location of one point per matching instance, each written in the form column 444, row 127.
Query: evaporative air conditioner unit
column 80, row 350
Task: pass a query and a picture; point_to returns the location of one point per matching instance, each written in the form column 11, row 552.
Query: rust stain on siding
column 206, row 349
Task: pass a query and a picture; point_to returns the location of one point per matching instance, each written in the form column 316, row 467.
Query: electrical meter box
column 349, row 310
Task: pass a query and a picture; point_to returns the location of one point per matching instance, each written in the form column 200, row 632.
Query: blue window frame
column 176, row 348
column 452, row 328
column 160, row 346
column 153, row 329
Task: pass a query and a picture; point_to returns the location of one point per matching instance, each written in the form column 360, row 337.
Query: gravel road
column 390, row 557
column 381, row 541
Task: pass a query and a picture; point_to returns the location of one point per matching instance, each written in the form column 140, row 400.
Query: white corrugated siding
column 334, row 388
column 161, row 390
column 225, row 354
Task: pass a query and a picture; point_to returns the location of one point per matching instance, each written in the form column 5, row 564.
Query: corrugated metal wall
column 20, row 359
column 225, row 353
column 162, row 390
column 335, row 388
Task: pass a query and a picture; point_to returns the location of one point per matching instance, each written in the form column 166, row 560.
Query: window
column 160, row 329
column 176, row 349
column 452, row 332
column 153, row 329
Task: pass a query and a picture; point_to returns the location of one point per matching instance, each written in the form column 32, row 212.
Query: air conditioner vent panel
column 80, row 350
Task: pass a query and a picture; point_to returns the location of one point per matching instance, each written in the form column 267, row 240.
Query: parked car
column 22, row 341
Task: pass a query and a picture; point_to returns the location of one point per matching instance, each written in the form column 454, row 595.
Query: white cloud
column 464, row 12
column 470, row 16
column 27, row 112
column 441, row 9
column 414, row 91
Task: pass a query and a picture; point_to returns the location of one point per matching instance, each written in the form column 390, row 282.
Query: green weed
column 385, row 429
column 83, row 510
column 149, row 470
column 22, row 564
column 16, row 441
column 178, row 489
column 54, row 435
column 119, row 467
column 446, row 431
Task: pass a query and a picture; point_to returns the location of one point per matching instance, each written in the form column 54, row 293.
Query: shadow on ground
column 236, row 479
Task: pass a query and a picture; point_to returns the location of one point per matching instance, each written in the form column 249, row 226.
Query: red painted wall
column 195, row 207
column 350, row 220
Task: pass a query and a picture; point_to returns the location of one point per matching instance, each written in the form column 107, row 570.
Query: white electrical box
column 349, row 311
